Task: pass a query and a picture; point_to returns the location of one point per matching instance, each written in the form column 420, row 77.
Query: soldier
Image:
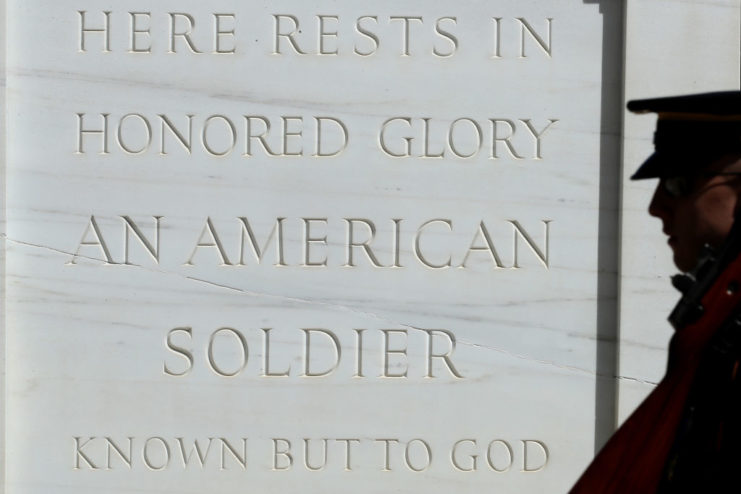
column 686, row 435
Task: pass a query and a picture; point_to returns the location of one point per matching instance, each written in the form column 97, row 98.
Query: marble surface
column 2, row 244
column 251, row 285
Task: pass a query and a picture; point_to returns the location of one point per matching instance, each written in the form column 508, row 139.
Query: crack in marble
column 336, row 306
column 557, row 365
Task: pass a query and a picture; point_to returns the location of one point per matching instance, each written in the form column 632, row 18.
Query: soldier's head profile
column 697, row 160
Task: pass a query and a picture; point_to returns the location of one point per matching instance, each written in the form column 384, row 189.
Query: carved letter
column 165, row 450
column 218, row 33
column 266, row 358
column 260, row 137
column 447, row 35
column 454, row 459
column 215, row 242
column 287, row 134
column 187, row 354
column 348, row 445
column 98, row 242
column 286, row 453
column 405, row 31
column 232, row 136
column 80, row 455
column 484, row 233
column 386, row 465
column 186, row 143
column 445, row 356
column 478, row 139
column 147, row 133
column 496, row 51
column 427, row 450
column 537, row 134
column 519, row 231
column 289, row 36
column 103, row 133
column 418, row 250
column 543, row 448
column 307, row 463
column 133, row 48
column 365, row 245
column 494, row 139
column 105, row 30
column 241, row 459
column 524, row 26
column 112, row 446
column 397, row 351
column 490, row 455
column 368, row 34
column 340, row 125
column 382, row 138
column 426, row 139
column 243, row 348
column 359, row 360
column 396, row 243
column 307, row 352
column 258, row 252
column 129, row 225
column 308, row 240
column 185, row 34
column 195, row 447
column 326, row 34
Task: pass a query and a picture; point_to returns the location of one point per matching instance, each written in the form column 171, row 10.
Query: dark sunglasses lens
column 676, row 186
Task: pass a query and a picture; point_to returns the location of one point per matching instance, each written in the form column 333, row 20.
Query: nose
column 660, row 205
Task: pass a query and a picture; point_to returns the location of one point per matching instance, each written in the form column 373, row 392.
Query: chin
column 684, row 263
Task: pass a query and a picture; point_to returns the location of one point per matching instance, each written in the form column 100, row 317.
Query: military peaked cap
column 692, row 131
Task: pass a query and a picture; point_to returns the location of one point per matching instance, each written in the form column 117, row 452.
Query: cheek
column 693, row 229
column 688, row 222
column 718, row 231
column 718, row 219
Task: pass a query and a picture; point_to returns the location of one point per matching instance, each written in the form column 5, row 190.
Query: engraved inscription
column 404, row 35
column 227, row 353
column 289, row 36
column 306, row 243
column 317, row 35
column 463, row 138
column 497, row 456
column 294, row 353
column 220, row 136
column 157, row 453
column 215, row 135
column 148, row 33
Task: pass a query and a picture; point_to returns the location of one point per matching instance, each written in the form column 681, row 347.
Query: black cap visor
column 689, row 147
column 692, row 132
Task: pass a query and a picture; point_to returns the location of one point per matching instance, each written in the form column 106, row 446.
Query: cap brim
column 651, row 168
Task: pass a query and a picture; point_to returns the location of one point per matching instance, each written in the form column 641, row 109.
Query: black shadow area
column 611, row 111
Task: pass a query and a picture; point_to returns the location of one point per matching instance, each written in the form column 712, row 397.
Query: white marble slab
column 2, row 243
column 97, row 342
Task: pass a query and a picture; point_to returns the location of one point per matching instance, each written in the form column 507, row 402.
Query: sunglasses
column 684, row 185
